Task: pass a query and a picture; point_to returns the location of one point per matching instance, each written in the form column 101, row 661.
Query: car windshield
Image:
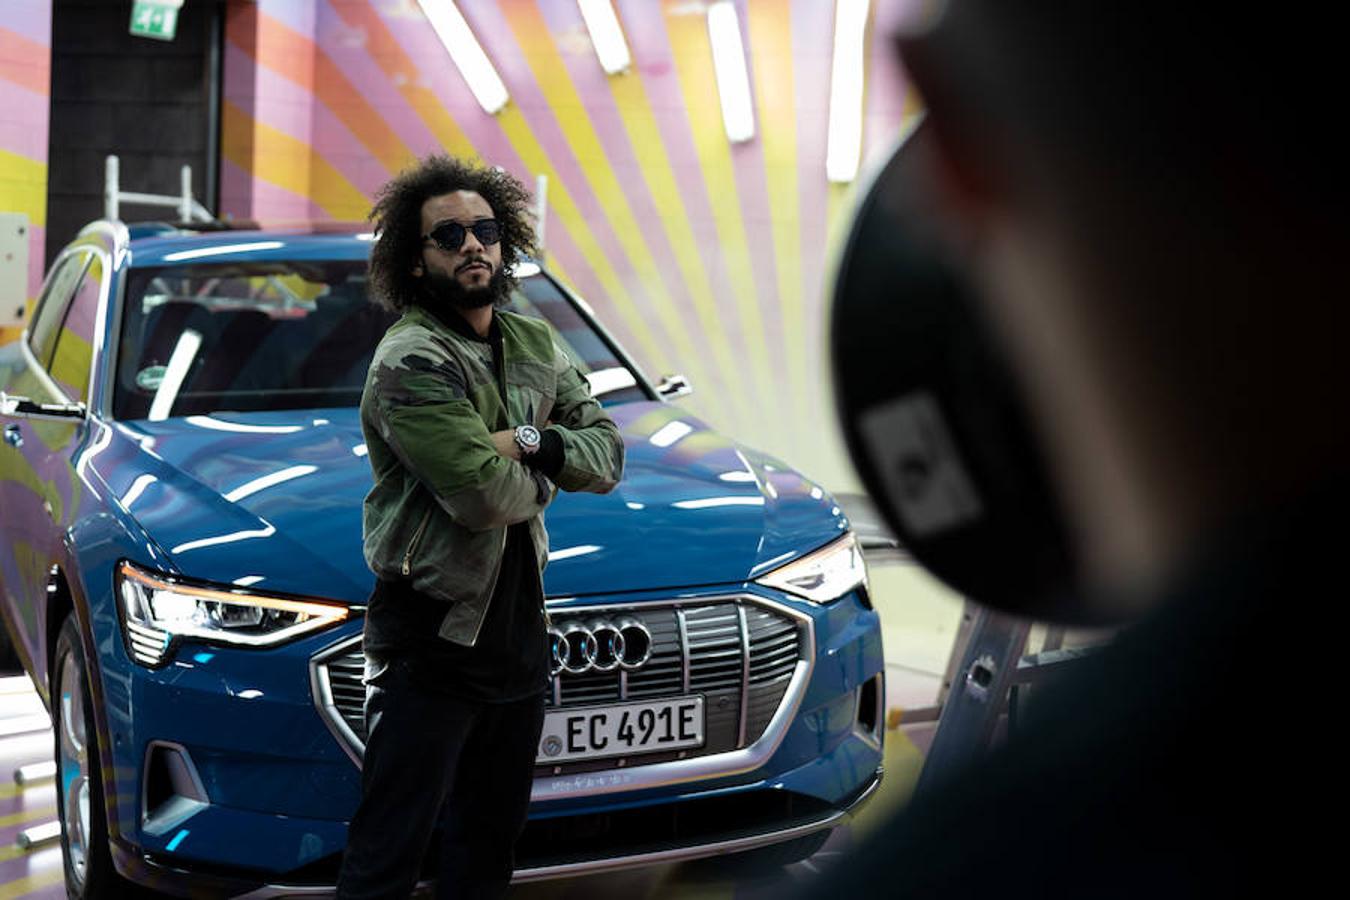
column 281, row 335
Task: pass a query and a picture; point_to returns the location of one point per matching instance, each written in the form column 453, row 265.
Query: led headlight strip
column 822, row 575
column 156, row 611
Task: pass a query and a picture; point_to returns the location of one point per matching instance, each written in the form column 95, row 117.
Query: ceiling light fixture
column 466, row 53
column 844, row 148
column 733, row 81
column 606, row 34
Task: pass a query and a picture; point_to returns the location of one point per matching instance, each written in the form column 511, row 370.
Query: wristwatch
column 527, row 439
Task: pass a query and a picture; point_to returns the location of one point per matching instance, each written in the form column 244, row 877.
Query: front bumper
column 709, row 845
column 276, row 821
column 714, row 842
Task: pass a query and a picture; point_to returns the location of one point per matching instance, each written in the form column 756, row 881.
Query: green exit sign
column 156, row 19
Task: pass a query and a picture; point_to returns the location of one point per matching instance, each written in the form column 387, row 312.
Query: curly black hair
column 397, row 217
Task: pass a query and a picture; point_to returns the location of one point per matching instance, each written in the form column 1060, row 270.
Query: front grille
column 739, row 653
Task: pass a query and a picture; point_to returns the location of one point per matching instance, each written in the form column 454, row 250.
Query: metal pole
column 214, row 75
column 971, row 712
column 185, row 205
column 963, row 631
column 110, row 188
column 540, row 210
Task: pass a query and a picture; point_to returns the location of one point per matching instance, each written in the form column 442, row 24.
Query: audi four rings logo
column 599, row 645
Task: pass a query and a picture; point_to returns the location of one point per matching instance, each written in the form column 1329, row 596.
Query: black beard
column 444, row 288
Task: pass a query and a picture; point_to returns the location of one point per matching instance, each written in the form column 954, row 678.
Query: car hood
column 274, row 499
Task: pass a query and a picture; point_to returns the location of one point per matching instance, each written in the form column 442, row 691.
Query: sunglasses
column 449, row 236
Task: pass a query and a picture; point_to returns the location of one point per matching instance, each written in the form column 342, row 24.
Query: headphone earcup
column 931, row 412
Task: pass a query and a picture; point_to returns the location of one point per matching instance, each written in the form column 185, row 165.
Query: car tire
column 79, row 778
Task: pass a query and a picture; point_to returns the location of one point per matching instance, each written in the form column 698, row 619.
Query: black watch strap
column 548, row 459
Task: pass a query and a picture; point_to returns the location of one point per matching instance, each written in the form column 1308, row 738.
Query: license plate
column 623, row 729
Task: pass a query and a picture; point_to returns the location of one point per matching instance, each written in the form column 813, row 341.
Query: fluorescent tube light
column 466, row 53
column 844, row 148
column 733, row 81
column 606, row 35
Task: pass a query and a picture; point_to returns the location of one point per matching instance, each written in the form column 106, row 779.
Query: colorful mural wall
column 25, row 86
column 704, row 257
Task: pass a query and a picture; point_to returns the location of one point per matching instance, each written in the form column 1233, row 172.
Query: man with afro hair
column 473, row 418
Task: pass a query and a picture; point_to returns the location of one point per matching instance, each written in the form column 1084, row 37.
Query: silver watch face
column 527, row 436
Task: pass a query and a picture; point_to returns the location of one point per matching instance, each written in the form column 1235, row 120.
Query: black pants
column 431, row 759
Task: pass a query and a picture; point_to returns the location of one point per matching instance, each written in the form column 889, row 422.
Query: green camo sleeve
column 434, row 430
column 592, row 447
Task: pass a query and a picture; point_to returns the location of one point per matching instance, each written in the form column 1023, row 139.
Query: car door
column 37, row 483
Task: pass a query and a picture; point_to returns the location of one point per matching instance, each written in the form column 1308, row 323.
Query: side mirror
column 672, row 386
column 24, row 408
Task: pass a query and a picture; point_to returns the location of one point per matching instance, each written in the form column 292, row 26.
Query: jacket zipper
column 412, row 545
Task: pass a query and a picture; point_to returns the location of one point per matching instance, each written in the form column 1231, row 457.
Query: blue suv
column 181, row 575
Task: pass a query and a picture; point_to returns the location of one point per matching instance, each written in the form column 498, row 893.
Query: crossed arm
column 476, row 475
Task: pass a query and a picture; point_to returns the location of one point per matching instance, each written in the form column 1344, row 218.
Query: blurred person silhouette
column 1146, row 204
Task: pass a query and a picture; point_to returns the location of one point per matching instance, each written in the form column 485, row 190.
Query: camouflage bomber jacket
column 443, row 497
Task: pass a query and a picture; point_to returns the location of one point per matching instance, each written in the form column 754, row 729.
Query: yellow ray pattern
column 556, row 86
column 31, row 884
column 403, row 74
column 295, row 56
column 693, row 65
column 639, row 121
column 290, row 163
column 527, row 147
column 25, row 187
column 775, row 91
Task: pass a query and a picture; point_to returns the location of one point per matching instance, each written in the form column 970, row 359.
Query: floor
column 920, row 620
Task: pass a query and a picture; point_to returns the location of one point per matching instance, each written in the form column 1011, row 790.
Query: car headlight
column 823, row 575
column 158, row 610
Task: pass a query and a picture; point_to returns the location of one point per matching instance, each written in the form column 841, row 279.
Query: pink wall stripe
column 37, row 240
column 30, row 18
column 298, row 15
column 268, row 201
column 25, row 137
column 812, row 49
column 887, row 85
column 649, row 44
column 748, row 163
column 346, row 47
column 24, row 106
column 294, row 111
column 499, row 42
column 592, row 86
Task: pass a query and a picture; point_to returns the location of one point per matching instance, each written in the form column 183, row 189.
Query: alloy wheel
column 73, row 768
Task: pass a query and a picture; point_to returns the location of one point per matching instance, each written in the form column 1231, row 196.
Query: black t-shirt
column 510, row 659
column 508, row 662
